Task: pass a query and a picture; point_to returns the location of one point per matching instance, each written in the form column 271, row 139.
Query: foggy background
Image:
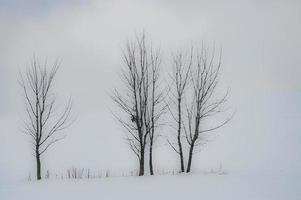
column 261, row 66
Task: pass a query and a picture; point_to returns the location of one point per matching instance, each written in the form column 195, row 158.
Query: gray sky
column 261, row 64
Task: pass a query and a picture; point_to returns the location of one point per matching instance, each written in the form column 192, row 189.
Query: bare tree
column 139, row 99
column 43, row 123
column 156, row 104
column 180, row 78
column 204, row 104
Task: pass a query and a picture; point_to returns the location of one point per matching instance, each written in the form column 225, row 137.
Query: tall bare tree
column 139, row 99
column 157, row 107
column 180, row 77
column 205, row 103
column 43, row 123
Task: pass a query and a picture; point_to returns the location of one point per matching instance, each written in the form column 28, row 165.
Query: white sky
column 261, row 64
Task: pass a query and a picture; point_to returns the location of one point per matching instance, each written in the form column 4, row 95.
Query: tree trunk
column 179, row 135
column 38, row 165
column 181, row 154
column 190, row 157
column 141, row 163
column 151, row 157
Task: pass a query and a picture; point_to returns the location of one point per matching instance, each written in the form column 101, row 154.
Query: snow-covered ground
column 233, row 186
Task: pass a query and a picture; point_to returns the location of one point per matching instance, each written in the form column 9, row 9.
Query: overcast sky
column 261, row 66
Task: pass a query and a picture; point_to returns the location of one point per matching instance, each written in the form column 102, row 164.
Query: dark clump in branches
column 43, row 123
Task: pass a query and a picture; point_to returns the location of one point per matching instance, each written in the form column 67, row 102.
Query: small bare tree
column 180, row 77
column 43, row 123
column 139, row 99
column 204, row 104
